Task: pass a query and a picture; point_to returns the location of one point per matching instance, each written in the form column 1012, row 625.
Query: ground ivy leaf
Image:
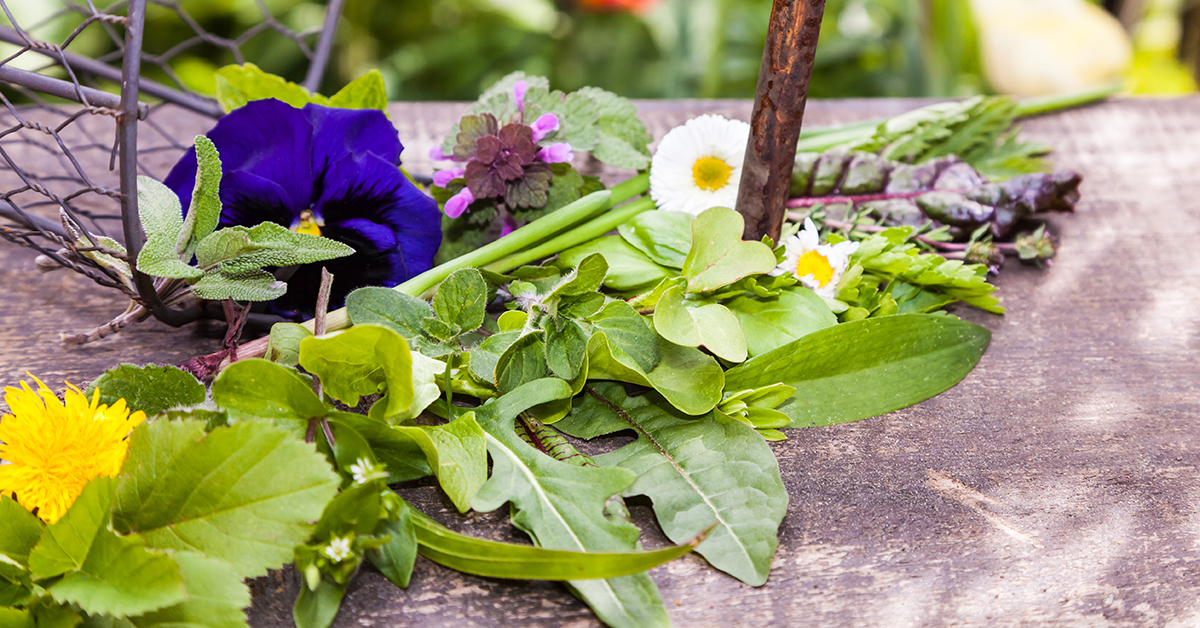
column 374, row 305
column 773, row 322
column 697, row 471
column 258, row 389
column 665, row 237
column 364, row 360
column 711, row 326
column 121, row 578
column 457, row 453
column 887, row 363
column 151, row 389
column 365, row 92
column 689, row 378
column 719, row 256
column 561, row 506
column 586, row 277
column 216, row 597
column 566, row 350
column 462, row 299
column 245, row 494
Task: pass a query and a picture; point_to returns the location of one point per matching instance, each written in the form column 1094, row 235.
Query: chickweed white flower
column 338, row 549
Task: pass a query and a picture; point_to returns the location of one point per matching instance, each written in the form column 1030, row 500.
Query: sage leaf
column 712, row 326
column 866, row 368
column 237, row 250
column 688, row 378
column 364, row 360
column 252, row 478
column 258, row 389
column 254, row 285
column 457, row 453
column 151, row 389
column 374, row 305
column 561, row 506
column 697, row 471
column 161, row 216
column 665, row 237
column 461, row 299
column 770, row 323
column 216, row 597
column 719, row 256
column 205, row 209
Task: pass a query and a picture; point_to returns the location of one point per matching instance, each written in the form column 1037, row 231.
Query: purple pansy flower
column 321, row 170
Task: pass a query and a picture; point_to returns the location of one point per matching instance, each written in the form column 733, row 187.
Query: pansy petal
column 337, row 132
column 376, row 261
column 248, row 199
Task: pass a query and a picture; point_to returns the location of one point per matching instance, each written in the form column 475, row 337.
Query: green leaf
column 561, row 506
column 770, row 323
column 365, row 360
column 49, row 615
column 216, row 597
column 665, row 237
column 522, row 362
column 365, row 92
column 395, row 559
column 483, row 357
column 623, row 138
column 245, row 494
column 566, row 350
column 689, row 378
column 628, row 331
column 494, row 559
column 585, row 278
column 65, row 545
column 16, row 618
column 577, row 115
column 255, row 285
column 462, row 299
column 402, row 456
column 866, row 368
column 19, row 534
column 697, row 471
column 383, row 306
column 283, row 344
column 151, row 389
column 711, row 326
column 161, row 216
column 318, row 609
column 240, row 84
column 205, row 210
column 238, row 250
column 628, row 268
column 457, row 453
column 719, row 256
column 258, row 389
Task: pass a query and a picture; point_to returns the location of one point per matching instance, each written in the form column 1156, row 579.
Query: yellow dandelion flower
column 50, row 448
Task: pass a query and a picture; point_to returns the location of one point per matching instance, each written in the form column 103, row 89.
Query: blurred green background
column 452, row 49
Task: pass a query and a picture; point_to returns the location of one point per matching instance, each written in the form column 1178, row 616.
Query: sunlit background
column 451, row 49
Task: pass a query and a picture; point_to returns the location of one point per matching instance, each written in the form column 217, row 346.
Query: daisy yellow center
column 53, row 448
column 308, row 225
column 711, row 173
column 815, row 264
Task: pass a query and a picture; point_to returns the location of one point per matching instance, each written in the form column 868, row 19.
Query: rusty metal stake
column 778, row 112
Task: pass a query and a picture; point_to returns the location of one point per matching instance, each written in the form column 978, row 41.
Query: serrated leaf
column 577, row 116
column 16, row 618
column 461, row 300
column 365, row 92
column 256, row 285
column 65, row 545
column 205, row 210
column 121, row 578
column 215, row 592
column 719, row 256
column 383, row 306
column 770, row 323
column 561, row 506
column 457, row 453
column 258, row 389
column 697, row 471
column 245, row 494
column 283, row 343
column 689, row 378
column 20, row 532
column 161, row 216
column 623, row 137
column 151, row 389
column 712, row 326
column 240, row 84
column 665, row 237
column 889, row 363
column 365, row 360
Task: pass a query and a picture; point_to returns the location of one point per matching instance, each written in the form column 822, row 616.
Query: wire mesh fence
column 91, row 100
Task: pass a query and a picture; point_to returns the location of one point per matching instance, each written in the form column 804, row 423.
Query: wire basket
column 91, row 102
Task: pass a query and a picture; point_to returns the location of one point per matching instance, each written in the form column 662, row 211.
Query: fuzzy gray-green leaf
column 205, row 209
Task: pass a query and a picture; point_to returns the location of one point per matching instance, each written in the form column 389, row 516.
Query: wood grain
column 1057, row 485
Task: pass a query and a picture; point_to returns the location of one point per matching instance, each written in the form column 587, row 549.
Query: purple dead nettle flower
column 509, row 163
column 328, row 172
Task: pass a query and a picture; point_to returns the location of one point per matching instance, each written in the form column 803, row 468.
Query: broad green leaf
column 153, row 448
column 719, row 256
column 151, row 389
column 629, row 331
column 255, row 285
column 770, row 323
column 16, row 618
column 457, row 453
column 484, row 356
column 395, row 559
column 577, row 115
column 238, row 250
column 566, row 350
column 494, row 559
column 365, row 92
column 697, row 471
column 215, row 597
column 65, row 545
column 364, row 360
column 711, row 326
column 20, row 532
column 585, row 278
column 317, row 609
column 561, row 506
column 240, row 84
column 623, row 138
column 401, row 455
column 258, row 389
column 522, row 362
column 689, row 378
column 462, row 299
column 161, row 216
column 245, row 494
column 628, row 268
column 866, row 368
column 283, row 344
column 665, row 237
column 46, row 614
column 205, row 210
column 383, row 306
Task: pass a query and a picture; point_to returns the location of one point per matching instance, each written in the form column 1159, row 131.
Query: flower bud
column 458, row 203
column 442, row 178
column 556, row 153
column 546, row 124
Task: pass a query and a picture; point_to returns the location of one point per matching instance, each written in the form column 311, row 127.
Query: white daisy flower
column 338, row 549
column 818, row 266
column 699, row 165
column 361, row 470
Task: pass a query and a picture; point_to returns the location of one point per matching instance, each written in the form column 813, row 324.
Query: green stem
column 583, row 233
column 1049, row 104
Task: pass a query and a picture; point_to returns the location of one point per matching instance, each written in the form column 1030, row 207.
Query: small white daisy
column 361, row 470
column 699, row 165
column 338, row 549
column 818, row 266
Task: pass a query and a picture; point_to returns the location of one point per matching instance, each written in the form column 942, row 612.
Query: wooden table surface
column 1057, row 484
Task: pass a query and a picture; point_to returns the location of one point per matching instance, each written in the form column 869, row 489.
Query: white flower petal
column 672, row 184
